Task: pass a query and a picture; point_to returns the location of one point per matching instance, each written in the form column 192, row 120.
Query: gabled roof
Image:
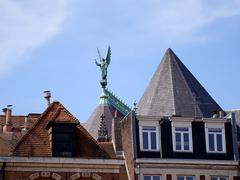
column 173, row 90
column 37, row 142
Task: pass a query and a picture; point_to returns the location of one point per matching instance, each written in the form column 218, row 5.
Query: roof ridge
column 169, row 51
column 54, row 116
column 34, row 125
column 117, row 103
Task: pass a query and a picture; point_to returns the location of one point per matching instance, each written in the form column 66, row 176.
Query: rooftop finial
column 102, row 132
column 135, row 106
column 103, row 64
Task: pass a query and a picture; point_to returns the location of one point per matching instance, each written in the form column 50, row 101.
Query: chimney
column 215, row 114
column 8, row 114
column 24, row 130
column 221, row 114
column 116, row 114
column 47, row 96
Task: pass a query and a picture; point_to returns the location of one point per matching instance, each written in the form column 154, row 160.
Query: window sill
column 182, row 151
column 216, row 152
column 146, row 150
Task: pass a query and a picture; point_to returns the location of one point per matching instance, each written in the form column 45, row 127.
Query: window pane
column 149, row 128
column 156, row 177
column 186, row 141
column 189, row 178
column 153, row 140
column 211, row 142
column 63, row 144
column 222, row 178
column 219, row 143
column 145, row 140
column 178, row 141
column 213, row 178
column 180, row 178
column 147, row 177
column 219, row 130
column 181, row 129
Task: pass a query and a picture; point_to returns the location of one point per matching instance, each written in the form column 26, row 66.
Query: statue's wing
column 108, row 58
column 99, row 54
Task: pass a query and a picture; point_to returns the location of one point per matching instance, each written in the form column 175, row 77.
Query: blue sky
column 51, row 45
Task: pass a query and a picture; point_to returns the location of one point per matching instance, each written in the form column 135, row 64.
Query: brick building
column 56, row 146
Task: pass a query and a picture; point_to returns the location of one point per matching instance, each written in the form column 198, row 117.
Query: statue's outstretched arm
column 97, row 63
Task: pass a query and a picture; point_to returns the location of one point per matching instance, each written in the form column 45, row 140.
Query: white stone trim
column 215, row 120
column 186, row 161
column 48, row 164
column 61, row 160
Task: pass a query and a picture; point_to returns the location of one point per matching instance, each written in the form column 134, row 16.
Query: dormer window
column 149, row 138
column 182, row 137
column 63, row 140
column 215, row 138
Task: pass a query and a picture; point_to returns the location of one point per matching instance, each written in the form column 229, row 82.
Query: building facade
column 58, row 147
column 178, row 132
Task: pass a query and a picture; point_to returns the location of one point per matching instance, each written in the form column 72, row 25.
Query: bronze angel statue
column 103, row 63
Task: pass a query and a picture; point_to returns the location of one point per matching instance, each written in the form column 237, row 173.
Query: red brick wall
column 127, row 144
column 87, row 148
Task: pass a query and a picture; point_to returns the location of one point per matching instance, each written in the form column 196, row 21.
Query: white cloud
column 168, row 19
column 25, row 25
column 182, row 19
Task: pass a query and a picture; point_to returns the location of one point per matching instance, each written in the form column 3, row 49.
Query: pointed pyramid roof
column 107, row 106
column 173, row 90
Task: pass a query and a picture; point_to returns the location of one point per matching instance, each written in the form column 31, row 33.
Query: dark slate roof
column 93, row 123
column 173, row 90
column 108, row 104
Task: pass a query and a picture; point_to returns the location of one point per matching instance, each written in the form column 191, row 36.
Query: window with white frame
column 215, row 140
column 219, row 178
column 182, row 139
column 185, row 177
column 149, row 138
column 151, row 177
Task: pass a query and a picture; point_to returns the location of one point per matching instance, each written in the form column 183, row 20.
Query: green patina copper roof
column 107, row 97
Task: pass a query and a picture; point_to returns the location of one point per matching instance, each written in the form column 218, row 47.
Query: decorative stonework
column 96, row 176
column 85, row 175
column 56, row 176
column 34, row 176
column 45, row 174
